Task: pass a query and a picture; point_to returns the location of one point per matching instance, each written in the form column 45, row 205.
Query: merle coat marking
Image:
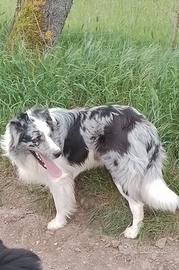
column 53, row 146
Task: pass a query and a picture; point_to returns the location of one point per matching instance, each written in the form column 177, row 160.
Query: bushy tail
column 157, row 195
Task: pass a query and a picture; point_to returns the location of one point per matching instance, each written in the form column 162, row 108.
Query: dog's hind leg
column 128, row 184
column 62, row 190
column 136, row 208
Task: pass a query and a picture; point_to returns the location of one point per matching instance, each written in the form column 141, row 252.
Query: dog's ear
column 23, row 118
column 14, row 132
column 20, row 121
column 16, row 124
column 54, row 121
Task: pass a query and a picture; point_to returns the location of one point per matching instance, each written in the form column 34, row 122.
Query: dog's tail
column 156, row 194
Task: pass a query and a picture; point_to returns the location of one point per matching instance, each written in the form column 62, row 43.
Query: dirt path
column 74, row 247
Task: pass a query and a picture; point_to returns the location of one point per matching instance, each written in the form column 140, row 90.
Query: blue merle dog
column 52, row 146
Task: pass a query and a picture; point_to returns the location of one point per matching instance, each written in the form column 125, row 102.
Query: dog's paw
column 55, row 224
column 131, row 232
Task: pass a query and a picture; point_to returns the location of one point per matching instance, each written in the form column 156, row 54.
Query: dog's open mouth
column 40, row 160
column 48, row 164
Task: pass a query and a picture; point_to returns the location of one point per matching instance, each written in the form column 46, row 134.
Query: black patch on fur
column 83, row 128
column 25, row 138
column 20, row 122
column 132, row 117
column 75, row 149
column 43, row 114
column 24, row 117
column 154, row 156
column 93, row 114
column 115, row 163
column 83, row 116
column 40, row 113
column 149, row 147
column 18, row 259
column 103, row 112
column 115, row 134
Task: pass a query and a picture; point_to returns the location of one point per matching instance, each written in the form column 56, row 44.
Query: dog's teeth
column 39, row 157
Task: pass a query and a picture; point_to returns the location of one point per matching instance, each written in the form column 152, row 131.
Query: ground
column 75, row 246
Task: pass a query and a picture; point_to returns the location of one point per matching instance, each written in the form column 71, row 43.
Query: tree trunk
column 175, row 28
column 38, row 23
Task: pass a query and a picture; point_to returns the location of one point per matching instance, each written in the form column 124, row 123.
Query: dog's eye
column 36, row 141
column 38, row 138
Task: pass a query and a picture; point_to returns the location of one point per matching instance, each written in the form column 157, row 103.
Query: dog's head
column 30, row 133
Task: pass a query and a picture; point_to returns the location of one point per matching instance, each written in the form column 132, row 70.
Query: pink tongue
column 52, row 167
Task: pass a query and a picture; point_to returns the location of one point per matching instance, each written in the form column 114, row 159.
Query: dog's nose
column 57, row 154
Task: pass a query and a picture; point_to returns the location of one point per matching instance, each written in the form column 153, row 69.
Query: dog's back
column 18, row 259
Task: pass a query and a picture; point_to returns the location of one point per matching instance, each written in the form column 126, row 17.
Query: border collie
column 18, row 259
column 52, row 146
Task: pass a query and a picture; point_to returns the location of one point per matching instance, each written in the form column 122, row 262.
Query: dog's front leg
column 62, row 190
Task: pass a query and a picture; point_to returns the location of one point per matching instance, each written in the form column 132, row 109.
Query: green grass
column 145, row 20
column 120, row 52
column 42, row 200
column 7, row 9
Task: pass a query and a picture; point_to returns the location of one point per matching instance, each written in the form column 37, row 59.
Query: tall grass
column 7, row 8
column 143, row 21
column 117, row 52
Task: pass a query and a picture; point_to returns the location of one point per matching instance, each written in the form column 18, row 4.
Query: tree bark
column 38, row 23
column 175, row 28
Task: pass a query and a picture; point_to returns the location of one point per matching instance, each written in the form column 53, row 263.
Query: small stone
column 161, row 242
column 59, row 248
column 77, row 249
column 125, row 249
column 37, row 242
column 170, row 239
column 115, row 243
column 107, row 245
column 56, row 243
column 29, row 212
column 50, row 233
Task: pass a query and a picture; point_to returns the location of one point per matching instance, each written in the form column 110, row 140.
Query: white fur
column 62, row 189
column 138, row 215
column 157, row 195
